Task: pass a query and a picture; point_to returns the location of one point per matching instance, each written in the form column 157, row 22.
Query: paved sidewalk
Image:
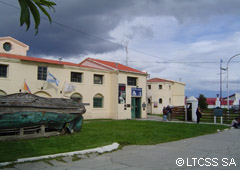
column 216, row 151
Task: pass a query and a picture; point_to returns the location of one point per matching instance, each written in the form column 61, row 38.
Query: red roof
column 41, row 60
column 114, row 65
column 224, row 102
column 211, row 101
column 159, row 80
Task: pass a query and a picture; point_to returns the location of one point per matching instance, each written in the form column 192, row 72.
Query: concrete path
column 216, row 151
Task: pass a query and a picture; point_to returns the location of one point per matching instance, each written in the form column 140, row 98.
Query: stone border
column 102, row 149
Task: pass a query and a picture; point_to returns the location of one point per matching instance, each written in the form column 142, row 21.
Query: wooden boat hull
column 53, row 121
column 25, row 110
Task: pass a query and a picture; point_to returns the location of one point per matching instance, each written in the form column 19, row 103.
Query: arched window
column 43, row 94
column 160, row 100
column 77, row 97
column 98, row 101
column 2, row 93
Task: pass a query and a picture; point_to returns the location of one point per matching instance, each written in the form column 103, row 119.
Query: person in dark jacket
column 199, row 114
column 235, row 123
column 169, row 111
column 164, row 114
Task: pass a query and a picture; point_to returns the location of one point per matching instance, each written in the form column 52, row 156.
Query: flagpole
column 43, row 85
column 44, row 81
column 63, row 87
column 20, row 90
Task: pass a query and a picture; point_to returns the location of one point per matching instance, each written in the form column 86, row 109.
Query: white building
column 112, row 90
column 162, row 92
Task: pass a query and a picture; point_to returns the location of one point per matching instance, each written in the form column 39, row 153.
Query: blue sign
column 136, row 92
column 218, row 112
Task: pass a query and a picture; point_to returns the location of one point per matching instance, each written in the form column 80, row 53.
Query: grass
column 160, row 115
column 99, row 133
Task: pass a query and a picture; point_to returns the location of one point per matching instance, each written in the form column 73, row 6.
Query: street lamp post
column 227, row 81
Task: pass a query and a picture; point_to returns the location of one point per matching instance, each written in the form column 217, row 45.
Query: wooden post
column 21, row 132
column 43, row 129
column 185, row 112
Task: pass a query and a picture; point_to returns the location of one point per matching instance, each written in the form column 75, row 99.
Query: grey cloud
column 98, row 18
column 144, row 32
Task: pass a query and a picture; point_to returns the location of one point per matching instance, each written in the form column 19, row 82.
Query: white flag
column 69, row 87
column 52, row 79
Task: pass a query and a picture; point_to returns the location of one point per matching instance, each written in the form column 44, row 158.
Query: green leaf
column 49, row 4
column 25, row 16
column 35, row 14
column 30, row 6
column 44, row 11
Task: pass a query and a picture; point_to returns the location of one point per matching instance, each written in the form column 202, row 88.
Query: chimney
column 60, row 59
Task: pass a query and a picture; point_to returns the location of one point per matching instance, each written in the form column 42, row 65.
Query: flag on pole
column 68, row 87
column 52, row 79
column 26, row 88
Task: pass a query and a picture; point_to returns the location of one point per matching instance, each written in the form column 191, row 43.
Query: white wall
column 172, row 94
column 19, row 70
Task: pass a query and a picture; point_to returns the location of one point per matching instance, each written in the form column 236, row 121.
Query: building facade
column 162, row 92
column 111, row 90
column 234, row 102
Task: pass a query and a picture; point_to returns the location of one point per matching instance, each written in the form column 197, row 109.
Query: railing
column 208, row 116
column 178, row 113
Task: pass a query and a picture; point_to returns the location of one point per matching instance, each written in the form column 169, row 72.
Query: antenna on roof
column 60, row 59
column 126, row 48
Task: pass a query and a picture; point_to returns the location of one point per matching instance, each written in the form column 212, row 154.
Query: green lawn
column 99, row 133
column 160, row 115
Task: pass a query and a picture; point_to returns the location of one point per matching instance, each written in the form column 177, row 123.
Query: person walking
column 164, row 114
column 169, row 111
column 199, row 114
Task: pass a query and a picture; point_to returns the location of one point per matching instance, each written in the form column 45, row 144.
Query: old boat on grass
column 22, row 110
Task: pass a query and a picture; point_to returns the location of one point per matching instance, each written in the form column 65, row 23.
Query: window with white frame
column 98, row 101
column 42, row 73
column 131, row 81
column 77, row 97
column 98, row 79
column 3, row 70
column 76, row 77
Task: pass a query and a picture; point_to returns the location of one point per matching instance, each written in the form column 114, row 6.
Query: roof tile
column 117, row 66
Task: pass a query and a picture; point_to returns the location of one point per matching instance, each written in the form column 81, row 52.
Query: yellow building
column 162, row 92
column 112, row 90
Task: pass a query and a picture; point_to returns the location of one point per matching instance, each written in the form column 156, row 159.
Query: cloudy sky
column 180, row 40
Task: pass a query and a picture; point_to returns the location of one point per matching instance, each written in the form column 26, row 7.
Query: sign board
column 136, row 92
column 121, row 93
column 218, row 112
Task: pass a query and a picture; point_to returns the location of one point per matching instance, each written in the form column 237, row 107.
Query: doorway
column 136, row 107
column 189, row 111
